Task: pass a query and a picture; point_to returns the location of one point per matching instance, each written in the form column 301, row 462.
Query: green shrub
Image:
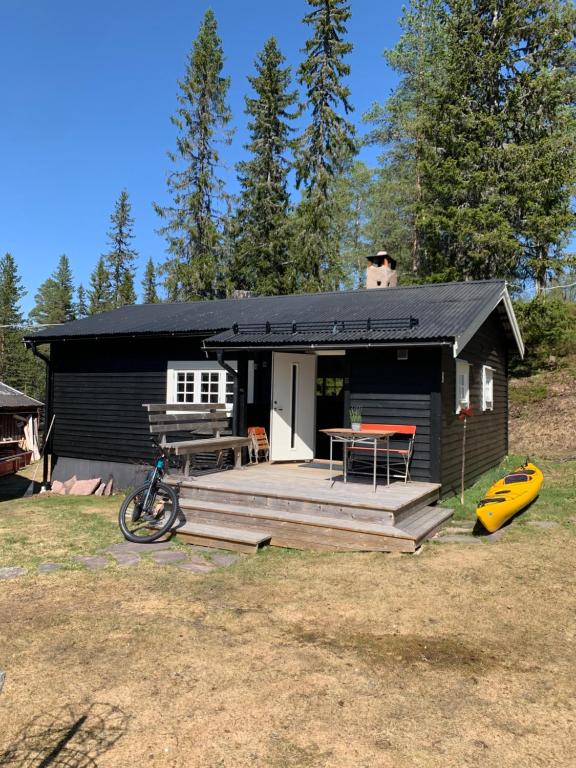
column 548, row 325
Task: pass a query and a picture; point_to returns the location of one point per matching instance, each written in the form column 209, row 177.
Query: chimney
column 381, row 271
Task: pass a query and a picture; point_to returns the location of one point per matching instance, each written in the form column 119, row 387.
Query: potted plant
column 355, row 418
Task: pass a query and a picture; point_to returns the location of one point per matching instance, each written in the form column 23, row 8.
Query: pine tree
column 261, row 249
column 149, row 287
column 325, row 149
column 353, row 194
column 121, row 256
column 54, row 301
column 191, row 224
column 100, row 291
column 81, row 302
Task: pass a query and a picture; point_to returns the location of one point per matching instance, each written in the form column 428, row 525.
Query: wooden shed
column 294, row 365
column 19, row 421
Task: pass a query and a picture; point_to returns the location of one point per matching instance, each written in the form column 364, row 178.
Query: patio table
column 358, row 437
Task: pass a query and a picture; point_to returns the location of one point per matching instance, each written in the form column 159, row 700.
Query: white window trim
column 462, row 367
column 198, row 367
column 486, row 404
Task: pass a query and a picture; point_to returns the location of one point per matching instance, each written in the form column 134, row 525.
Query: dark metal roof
column 11, row 398
column 443, row 311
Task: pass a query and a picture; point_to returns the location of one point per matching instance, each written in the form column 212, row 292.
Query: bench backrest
column 205, row 419
column 398, row 429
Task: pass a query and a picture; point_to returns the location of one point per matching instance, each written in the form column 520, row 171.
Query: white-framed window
column 487, row 388
column 462, row 385
column 200, row 382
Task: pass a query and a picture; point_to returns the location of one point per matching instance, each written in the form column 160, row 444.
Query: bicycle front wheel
column 148, row 513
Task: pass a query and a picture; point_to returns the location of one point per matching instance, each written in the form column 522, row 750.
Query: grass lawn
column 461, row 656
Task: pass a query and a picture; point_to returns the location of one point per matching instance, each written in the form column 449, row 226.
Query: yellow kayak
column 509, row 495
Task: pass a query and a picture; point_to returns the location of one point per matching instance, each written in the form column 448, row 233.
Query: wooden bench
column 167, row 419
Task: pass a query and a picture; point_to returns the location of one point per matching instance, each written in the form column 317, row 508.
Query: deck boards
column 297, row 506
column 311, row 483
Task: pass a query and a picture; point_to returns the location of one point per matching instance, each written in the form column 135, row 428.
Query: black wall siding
column 98, row 391
column 392, row 391
column 487, row 431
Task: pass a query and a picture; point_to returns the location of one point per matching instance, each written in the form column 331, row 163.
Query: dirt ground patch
column 543, row 413
column 457, row 657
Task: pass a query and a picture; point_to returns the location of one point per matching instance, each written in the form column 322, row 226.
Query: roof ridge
column 345, row 291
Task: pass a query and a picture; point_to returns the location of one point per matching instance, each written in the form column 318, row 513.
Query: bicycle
column 150, row 511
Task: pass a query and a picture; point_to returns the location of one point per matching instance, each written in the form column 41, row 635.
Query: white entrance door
column 293, row 414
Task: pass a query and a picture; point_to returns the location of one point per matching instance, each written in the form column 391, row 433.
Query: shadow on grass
column 73, row 736
column 16, row 486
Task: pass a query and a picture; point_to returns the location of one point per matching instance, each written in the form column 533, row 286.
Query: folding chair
column 260, row 445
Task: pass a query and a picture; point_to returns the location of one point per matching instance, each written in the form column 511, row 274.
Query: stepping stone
column 458, row 539
column 543, row 523
column 168, row 557
column 455, row 529
column 12, row 572
column 132, row 546
column 200, row 548
column 198, row 559
column 197, row 567
column 496, row 536
column 48, row 567
column 225, row 560
column 92, row 562
column 126, row 559
column 467, row 525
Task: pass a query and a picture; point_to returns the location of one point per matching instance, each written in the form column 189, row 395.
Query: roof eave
column 504, row 297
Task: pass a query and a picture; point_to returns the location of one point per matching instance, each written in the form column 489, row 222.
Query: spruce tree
column 261, row 249
column 121, row 256
column 149, row 287
column 191, row 225
column 399, row 127
column 54, row 301
column 325, row 147
column 544, row 137
column 100, row 291
column 13, row 359
column 81, row 302
column 496, row 189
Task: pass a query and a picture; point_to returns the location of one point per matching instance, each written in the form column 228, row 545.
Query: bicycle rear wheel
column 148, row 513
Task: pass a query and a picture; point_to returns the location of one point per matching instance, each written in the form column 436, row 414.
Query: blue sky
column 87, row 90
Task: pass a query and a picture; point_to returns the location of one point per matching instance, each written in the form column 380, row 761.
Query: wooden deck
column 298, row 506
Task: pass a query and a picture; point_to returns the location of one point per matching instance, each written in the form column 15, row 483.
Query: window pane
column 229, row 389
column 184, row 386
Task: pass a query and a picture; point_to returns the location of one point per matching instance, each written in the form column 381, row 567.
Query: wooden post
column 463, row 462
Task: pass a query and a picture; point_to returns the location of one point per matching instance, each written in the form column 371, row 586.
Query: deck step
column 424, row 522
column 222, row 537
column 358, row 500
column 283, row 516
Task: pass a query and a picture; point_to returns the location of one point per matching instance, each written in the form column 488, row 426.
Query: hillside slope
column 543, row 413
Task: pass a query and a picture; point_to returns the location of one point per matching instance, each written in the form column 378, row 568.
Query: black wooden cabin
column 293, row 364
